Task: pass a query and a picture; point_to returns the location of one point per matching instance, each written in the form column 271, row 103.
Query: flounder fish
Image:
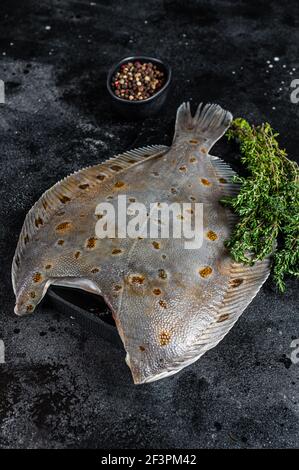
column 170, row 304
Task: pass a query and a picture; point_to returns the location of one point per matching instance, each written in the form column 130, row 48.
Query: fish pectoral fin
column 77, row 283
column 35, row 290
column 207, row 125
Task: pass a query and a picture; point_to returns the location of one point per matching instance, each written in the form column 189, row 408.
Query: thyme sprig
column 267, row 203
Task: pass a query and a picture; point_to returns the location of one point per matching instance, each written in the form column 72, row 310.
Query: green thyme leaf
column 267, row 204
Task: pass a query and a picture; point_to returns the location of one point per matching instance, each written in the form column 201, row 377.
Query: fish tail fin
column 207, row 125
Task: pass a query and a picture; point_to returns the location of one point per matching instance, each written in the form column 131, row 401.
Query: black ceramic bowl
column 144, row 108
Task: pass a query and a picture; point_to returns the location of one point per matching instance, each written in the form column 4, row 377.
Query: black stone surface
column 60, row 386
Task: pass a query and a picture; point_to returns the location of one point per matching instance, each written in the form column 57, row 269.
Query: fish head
column 29, row 290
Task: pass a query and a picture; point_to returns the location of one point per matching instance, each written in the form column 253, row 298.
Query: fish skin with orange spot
column 166, row 313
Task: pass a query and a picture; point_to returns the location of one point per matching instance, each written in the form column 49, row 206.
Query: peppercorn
column 136, row 81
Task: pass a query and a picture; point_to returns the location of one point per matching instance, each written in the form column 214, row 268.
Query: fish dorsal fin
column 244, row 283
column 57, row 197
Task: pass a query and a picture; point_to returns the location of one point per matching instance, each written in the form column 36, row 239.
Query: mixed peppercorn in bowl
column 139, row 86
column 137, row 81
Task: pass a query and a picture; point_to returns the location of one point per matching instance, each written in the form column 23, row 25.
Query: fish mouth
column 25, row 305
column 17, row 311
column 20, row 312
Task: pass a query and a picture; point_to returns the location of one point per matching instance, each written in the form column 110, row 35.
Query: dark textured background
column 61, row 387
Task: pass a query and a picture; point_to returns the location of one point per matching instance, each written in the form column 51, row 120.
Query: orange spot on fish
column 37, row 277
column 117, row 287
column 119, row 184
column 116, row 251
column 95, row 270
column 223, row 317
column 63, row 227
column 91, row 243
column 100, row 177
column 205, row 272
column 38, row 222
column 64, row 199
column 157, row 291
column 212, row 235
column 205, row 182
column 84, row 186
column 156, row 245
column 164, row 338
column 236, row 282
column 116, row 167
column 136, row 279
column 162, row 274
